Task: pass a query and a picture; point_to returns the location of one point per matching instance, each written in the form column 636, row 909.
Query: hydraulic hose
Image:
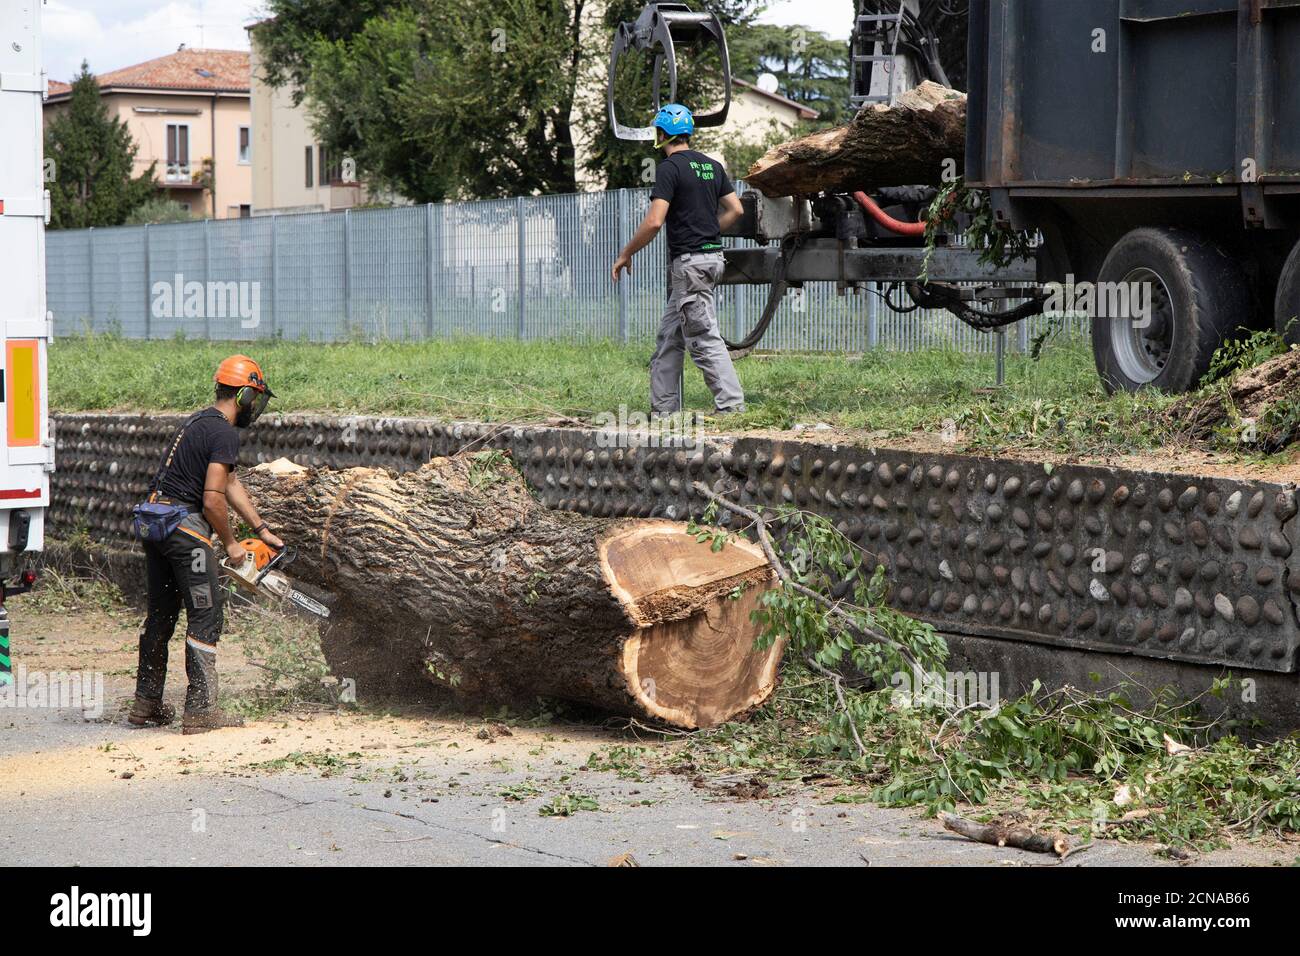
column 776, row 292
column 941, row 295
column 886, row 220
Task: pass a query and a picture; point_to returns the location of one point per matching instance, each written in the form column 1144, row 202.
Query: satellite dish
column 768, row 83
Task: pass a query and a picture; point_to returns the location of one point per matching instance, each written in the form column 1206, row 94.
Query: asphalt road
column 417, row 791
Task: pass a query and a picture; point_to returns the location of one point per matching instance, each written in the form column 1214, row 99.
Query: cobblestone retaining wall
column 1156, row 565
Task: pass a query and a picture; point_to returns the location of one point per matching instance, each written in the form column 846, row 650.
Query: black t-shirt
column 692, row 184
column 208, row 437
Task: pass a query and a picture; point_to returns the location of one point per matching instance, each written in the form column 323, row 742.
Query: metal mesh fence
column 527, row 268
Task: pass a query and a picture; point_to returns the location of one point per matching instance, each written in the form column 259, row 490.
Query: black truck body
column 1159, row 136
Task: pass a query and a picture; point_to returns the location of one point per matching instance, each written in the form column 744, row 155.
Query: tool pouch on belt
column 155, row 520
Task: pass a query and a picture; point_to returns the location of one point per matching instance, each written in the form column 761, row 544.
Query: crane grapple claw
column 657, row 30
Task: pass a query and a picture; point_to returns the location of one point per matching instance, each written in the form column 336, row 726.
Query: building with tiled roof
column 188, row 113
column 292, row 171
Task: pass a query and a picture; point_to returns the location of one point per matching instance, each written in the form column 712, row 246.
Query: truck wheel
column 1286, row 307
column 1198, row 294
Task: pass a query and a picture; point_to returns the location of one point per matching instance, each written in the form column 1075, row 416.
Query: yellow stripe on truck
column 23, row 384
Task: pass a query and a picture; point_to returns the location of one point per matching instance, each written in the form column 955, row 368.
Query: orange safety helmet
column 241, row 372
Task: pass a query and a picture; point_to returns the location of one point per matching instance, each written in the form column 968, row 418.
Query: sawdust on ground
column 105, row 642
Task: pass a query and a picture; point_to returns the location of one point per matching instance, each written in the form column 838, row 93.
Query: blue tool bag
column 155, row 521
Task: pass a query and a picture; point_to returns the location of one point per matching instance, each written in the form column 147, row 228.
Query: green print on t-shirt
column 702, row 170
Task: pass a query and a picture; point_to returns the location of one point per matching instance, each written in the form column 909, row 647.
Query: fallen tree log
column 455, row 574
column 906, row 144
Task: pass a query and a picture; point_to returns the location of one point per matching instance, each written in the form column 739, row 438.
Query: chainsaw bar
column 311, row 605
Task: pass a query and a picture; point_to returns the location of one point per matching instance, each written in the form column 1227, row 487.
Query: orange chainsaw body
column 258, row 575
column 261, row 551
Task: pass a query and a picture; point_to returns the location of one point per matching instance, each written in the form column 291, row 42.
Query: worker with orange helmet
column 189, row 502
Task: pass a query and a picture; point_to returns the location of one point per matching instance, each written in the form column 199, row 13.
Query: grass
column 62, row 593
column 1053, row 403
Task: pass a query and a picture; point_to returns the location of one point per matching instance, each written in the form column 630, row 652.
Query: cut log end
column 692, row 662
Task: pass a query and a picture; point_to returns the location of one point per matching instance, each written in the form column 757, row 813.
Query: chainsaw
column 260, row 574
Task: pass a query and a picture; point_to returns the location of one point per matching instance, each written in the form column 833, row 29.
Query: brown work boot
column 150, row 713
column 201, row 721
column 201, row 711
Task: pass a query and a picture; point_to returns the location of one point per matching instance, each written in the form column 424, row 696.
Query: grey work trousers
column 691, row 322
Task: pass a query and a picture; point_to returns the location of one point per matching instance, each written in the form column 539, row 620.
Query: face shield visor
column 251, row 405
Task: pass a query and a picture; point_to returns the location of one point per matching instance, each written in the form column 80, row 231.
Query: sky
column 832, row 17
column 111, row 34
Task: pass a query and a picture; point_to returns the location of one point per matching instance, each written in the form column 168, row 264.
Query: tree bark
column 454, row 574
column 1006, row 831
column 906, row 144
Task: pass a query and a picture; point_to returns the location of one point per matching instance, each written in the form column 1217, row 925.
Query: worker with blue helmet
column 672, row 121
column 695, row 199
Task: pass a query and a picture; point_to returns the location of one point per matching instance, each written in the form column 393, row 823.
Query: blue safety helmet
column 675, row 120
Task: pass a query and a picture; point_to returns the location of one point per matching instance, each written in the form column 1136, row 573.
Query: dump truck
column 1152, row 144
column 27, row 452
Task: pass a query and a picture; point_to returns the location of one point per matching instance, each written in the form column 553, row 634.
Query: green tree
column 286, row 38
column 631, row 164
column 158, row 209
column 438, row 99
column 94, row 157
column 812, row 69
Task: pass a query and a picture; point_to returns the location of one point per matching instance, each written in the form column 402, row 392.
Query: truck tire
column 1286, row 307
column 1199, row 294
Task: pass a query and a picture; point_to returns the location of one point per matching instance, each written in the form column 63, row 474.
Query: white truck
column 26, row 433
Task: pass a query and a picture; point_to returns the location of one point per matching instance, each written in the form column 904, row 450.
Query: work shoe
column 150, row 713
column 201, row 721
column 201, row 711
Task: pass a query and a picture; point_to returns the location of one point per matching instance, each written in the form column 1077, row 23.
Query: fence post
column 735, row 313
column 148, row 305
column 347, row 268
column 90, row 275
column 623, row 286
column 742, row 310
column 873, row 318
column 275, row 276
column 448, row 233
column 523, row 271
column 207, row 274
column 1022, row 336
column 428, row 270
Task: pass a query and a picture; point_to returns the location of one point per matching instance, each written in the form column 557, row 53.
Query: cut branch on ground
column 1256, row 409
column 1009, row 830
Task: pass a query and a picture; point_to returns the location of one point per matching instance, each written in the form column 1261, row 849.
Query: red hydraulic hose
column 888, row 221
